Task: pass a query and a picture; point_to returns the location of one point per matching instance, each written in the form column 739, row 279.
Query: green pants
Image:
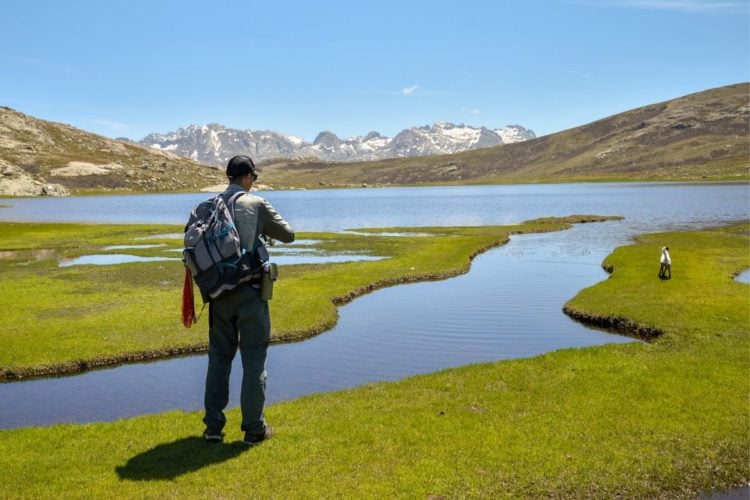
column 237, row 319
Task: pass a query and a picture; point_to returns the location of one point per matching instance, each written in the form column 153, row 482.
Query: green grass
column 663, row 419
column 61, row 320
column 700, row 259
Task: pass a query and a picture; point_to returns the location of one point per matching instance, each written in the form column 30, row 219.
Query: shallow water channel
column 744, row 276
column 507, row 306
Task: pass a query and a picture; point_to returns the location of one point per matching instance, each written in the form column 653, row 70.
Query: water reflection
column 386, row 233
column 163, row 236
column 110, row 259
column 132, row 247
column 285, row 259
column 649, row 205
column 508, row 306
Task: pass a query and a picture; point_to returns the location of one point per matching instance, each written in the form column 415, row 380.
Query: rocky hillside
column 39, row 157
column 214, row 144
column 700, row 136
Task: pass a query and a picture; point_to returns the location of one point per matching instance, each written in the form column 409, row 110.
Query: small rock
column 54, row 190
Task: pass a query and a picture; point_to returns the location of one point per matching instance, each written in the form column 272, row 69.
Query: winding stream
column 507, row 306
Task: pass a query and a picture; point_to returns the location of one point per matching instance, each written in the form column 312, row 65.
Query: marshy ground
column 664, row 418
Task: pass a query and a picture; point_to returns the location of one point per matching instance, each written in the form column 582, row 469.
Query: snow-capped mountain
column 214, row 144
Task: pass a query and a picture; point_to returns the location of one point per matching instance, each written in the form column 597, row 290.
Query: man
column 665, row 267
column 240, row 318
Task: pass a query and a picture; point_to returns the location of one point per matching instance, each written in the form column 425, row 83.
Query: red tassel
column 188, row 302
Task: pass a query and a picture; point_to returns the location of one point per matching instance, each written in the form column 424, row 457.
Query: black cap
column 241, row 165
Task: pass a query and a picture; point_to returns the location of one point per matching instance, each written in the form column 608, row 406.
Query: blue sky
column 130, row 68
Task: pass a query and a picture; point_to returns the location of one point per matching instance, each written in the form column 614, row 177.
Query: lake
column 647, row 207
column 507, row 306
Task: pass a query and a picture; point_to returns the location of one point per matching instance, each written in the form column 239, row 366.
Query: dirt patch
column 28, row 255
column 93, row 181
column 216, row 188
column 80, row 168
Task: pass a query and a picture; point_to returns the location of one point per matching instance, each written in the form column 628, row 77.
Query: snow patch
column 462, row 134
column 295, row 140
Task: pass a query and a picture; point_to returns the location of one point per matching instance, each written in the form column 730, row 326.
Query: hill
column 698, row 136
column 702, row 136
column 39, row 157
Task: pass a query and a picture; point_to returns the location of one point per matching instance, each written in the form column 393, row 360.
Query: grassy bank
column 668, row 418
column 68, row 319
column 704, row 260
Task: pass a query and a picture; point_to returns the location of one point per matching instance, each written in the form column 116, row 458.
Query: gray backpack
column 213, row 252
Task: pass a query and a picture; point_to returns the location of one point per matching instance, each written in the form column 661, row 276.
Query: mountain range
column 701, row 136
column 215, row 144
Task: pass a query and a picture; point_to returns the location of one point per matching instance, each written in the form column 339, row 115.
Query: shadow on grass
column 169, row 460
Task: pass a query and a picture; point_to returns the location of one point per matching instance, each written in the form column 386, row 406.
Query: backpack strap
column 257, row 243
column 231, row 201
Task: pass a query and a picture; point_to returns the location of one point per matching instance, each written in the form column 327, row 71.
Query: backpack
column 212, row 252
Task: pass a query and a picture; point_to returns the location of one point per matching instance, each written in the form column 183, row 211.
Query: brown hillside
column 700, row 136
column 42, row 157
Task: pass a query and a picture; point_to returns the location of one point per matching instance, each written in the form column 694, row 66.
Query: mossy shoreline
column 81, row 366
column 615, row 324
column 309, row 295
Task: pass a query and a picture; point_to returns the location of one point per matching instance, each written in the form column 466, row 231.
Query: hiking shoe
column 253, row 439
column 213, row 435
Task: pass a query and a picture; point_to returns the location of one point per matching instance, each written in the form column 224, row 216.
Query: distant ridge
column 700, row 136
column 215, row 144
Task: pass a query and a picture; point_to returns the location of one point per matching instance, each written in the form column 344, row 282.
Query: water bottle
column 269, row 272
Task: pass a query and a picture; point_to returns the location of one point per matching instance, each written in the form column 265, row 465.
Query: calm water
column 508, row 306
column 647, row 206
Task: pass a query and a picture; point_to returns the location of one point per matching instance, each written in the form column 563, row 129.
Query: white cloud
column 410, row 90
column 471, row 111
column 418, row 90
